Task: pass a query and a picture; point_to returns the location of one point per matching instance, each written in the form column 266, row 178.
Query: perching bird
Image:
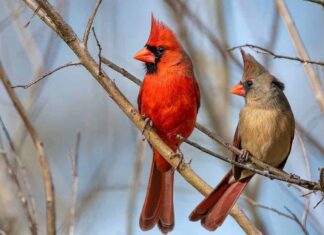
column 265, row 130
column 170, row 98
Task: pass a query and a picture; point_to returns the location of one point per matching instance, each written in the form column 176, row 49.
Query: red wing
column 237, row 144
column 197, row 93
column 139, row 99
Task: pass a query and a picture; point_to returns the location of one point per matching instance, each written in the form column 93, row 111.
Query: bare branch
column 24, row 203
column 47, row 74
column 254, row 203
column 267, row 172
column 204, row 29
column 122, row 71
column 265, row 51
column 75, row 178
column 301, row 51
column 100, row 49
column 138, row 167
column 297, row 221
column 67, row 34
column 309, row 175
column 45, row 169
column 90, row 22
column 30, row 201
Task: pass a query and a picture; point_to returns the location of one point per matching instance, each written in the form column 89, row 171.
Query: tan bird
column 265, row 130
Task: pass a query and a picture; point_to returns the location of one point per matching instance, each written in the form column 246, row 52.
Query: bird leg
column 178, row 154
column 294, row 176
column 244, row 156
column 147, row 121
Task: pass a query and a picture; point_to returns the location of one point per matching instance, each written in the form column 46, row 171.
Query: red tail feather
column 213, row 210
column 158, row 204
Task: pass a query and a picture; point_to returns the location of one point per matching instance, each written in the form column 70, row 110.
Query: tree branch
column 24, row 203
column 75, row 178
column 56, row 22
column 90, row 22
column 45, row 169
column 265, row 51
column 268, row 171
column 47, row 74
column 301, row 51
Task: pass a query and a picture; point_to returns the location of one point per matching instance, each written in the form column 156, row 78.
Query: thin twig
column 121, row 70
column 24, row 203
column 45, row 169
column 297, row 221
column 309, row 176
column 301, row 51
column 47, row 74
column 267, row 173
column 90, row 22
column 135, row 185
column 254, row 203
column 204, row 29
column 265, row 51
column 51, row 17
column 28, row 22
column 100, row 49
column 25, row 178
column 74, row 165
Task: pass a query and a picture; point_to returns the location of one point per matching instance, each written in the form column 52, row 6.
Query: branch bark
column 45, row 169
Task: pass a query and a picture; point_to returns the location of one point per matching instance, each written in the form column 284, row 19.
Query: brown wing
column 237, row 143
column 282, row 165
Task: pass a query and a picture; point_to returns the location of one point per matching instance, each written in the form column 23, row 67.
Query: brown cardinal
column 265, row 130
column 170, row 98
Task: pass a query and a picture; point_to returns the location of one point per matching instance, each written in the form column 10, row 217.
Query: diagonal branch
column 57, row 23
column 301, row 51
column 45, row 169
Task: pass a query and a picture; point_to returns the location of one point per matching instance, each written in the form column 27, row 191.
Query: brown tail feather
column 158, row 204
column 213, row 210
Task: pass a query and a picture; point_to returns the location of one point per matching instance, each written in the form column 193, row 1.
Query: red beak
column 238, row 89
column 145, row 55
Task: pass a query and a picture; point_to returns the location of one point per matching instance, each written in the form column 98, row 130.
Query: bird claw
column 294, row 176
column 244, row 156
column 179, row 155
column 147, row 121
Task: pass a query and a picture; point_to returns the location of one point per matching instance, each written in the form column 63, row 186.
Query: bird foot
column 147, row 121
column 294, row 176
column 178, row 154
column 244, row 156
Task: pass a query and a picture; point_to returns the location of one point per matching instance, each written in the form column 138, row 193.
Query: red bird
column 265, row 130
column 170, row 98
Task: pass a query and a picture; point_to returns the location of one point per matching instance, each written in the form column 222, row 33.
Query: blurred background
column 110, row 189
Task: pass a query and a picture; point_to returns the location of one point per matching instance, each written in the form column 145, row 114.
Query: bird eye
column 249, row 83
column 160, row 49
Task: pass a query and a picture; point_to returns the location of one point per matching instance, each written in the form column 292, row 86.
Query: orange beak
column 145, row 55
column 238, row 89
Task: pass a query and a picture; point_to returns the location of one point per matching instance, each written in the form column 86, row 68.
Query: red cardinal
column 265, row 130
column 169, row 97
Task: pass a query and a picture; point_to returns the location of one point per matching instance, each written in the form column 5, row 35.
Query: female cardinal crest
column 169, row 97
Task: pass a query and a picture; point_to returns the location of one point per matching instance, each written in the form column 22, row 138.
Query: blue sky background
column 71, row 99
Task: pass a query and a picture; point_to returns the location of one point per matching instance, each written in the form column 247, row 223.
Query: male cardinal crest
column 169, row 97
column 265, row 130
